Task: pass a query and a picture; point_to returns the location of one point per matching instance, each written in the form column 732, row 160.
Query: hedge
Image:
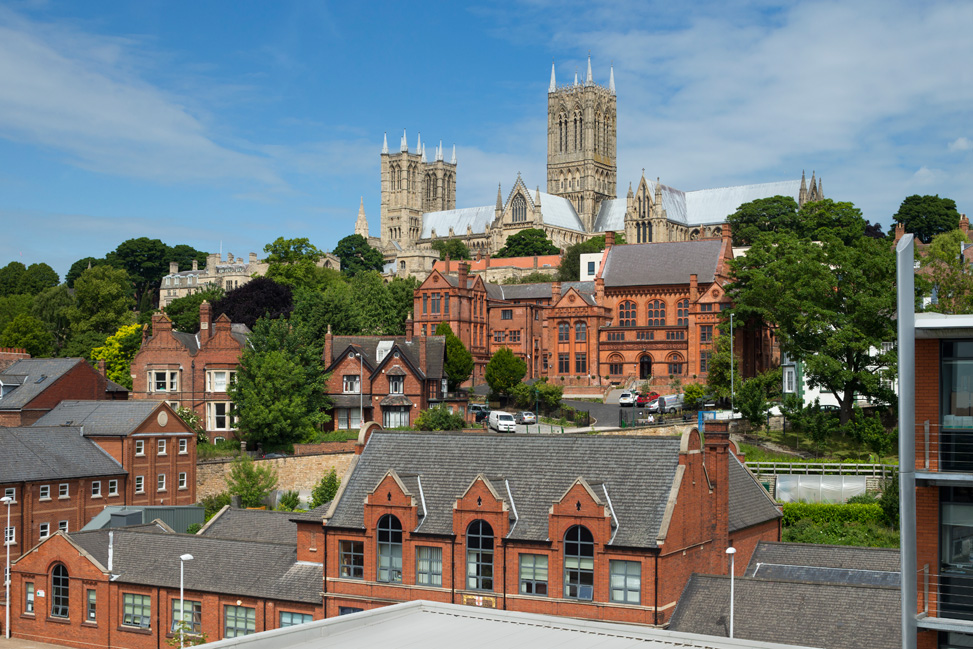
column 825, row 513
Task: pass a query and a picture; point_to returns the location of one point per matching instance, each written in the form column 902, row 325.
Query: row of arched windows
column 655, row 313
column 570, row 131
column 643, row 232
column 400, row 178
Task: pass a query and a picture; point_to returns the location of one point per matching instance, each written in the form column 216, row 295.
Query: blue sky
column 232, row 123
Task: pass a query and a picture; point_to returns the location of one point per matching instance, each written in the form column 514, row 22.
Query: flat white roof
column 937, row 325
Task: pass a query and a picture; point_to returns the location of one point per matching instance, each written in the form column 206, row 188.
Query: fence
column 883, row 471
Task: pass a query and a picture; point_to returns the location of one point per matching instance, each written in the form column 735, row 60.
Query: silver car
column 627, row 399
column 525, row 418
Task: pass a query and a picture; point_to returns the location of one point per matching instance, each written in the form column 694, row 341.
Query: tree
column 184, row 311
column 751, row 401
column 458, row 365
column 454, row 248
column 439, row 418
column 540, row 392
column 820, row 219
column 12, row 278
column 280, row 388
column 51, row 307
column 80, row 266
column 947, row 273
column 874, row 230
column 402, row 293
column 192, row 419
column 357, row 256
column 534, row 277
column 28, row 332
column 146, row 262
column 504, row 371
column 258, row 298
column 376, row 315
column 326, row 489
column 773, row 214
column 692, row 394
column 927, row 216
column 185, row 255
column 570, row 268
column 103, row 301
column 832, row 305
column 118, row 352
column 37, row 279
column 293, row 262
column 718, row 380
column 250, row 482
column 527, row 243
column 12, row 306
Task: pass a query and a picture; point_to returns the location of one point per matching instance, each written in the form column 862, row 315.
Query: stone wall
column 299, row 473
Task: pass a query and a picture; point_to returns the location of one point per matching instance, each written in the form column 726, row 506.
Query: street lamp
column 361, row 389
column 731, row 369
column 183, row 558
column 6, row 575
column 731, row 551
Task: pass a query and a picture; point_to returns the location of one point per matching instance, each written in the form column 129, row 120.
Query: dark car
column 481, row 415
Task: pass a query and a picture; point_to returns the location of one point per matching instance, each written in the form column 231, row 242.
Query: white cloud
column 960, row 144
column 925, row 176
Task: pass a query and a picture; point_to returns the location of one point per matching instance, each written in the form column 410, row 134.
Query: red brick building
column 651, row 314
column 606, row 528
column 388, row 379
column 31, row 387
column 192, row 370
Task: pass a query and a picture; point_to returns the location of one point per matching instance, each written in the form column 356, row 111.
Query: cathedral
column 418, row 205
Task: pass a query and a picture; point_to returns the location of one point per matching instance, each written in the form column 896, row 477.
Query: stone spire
column 361, row 225
column 658, row 191
column 422, row 151
column 802, row 195
column 588, row 81
column 820, row 190
column 439, row 152
column 404, row 146
column 630, row 194
column 537, row 196
column 452, row 160
column 576, row 76
column 611, row 80
column 499, row 198
column 553, row 85
column 419, row 143
column 385, row 143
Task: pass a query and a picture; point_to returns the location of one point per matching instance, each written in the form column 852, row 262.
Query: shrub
column 826, row 513
column 439, row 418
column 213, row 504
column 289, row 501
column 692, row 394
column 836, row 533
column 192, row 529
column 251, row 482
column 325, row 490
column 889, row 502
column 863, row 499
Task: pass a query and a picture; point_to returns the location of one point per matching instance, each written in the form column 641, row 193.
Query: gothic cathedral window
column 519, row 209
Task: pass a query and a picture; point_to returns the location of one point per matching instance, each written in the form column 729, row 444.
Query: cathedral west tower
column 581, row 142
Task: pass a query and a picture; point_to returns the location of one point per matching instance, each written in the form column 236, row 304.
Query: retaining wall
column 298, row 472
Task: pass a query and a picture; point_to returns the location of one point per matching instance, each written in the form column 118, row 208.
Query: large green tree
column 454, row 248
column 718, row 380
column 527, row 243
column 832, row 305
column 146, row 262
column 16, row 279
column 570, row 268
column 402, row 291
column 184, row 311
column 376, row 313
column 458, row 365
column 504, row 371
column 12, row 278
column 280, row 388
column 294, row 262
column 948, row 273
column 80, row 266
column 927, row 216
column 773, row 214
column 103, row 301
column 780, row 215
column 118, row 351
column 250, row 482
column 357, row 256
column 51, row 307
column 13, row 305
column 29, row 333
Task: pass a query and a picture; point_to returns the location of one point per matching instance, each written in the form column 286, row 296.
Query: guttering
column 513, row 506
column 604, row 488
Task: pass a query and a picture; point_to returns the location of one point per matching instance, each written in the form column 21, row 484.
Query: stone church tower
column 411, row 186
column 581, row 142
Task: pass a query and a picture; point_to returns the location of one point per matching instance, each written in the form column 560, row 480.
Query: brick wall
column 294, row 472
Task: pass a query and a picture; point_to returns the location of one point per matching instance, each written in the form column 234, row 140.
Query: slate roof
column 750, row 503
column 368, row 345
column 32, row 376
column 33, row 453
column 844, row 557
column 253, row 525
column 233, row 567
column 835, row 616
column 653, row 264
column 191, row 342
column 637, row 473
column 101, row 418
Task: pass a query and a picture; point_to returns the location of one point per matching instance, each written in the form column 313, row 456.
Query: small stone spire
column 576, row 76
column 588, row 80
column 361, row 225
column 404, row 146
column 820, row 190
column 537, row 196
column 385, row 143
column 553, row 85
column 439, row 152
column 419, row 144
column 452, row 160
column 423, row 152
column 499, row 198
column 802, row 194
column 611, row 80
column 658, row 191
column 630, row 194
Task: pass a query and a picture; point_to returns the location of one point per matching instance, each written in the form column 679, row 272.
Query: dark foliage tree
column 146, row 262
column 927, row 216
column 184, row 255
column 35, row 279
column 12, row 278
column 51, row 307
column 455, row 248
column 527, row 243
column 570, row 268
column 184, row 311
column 504, row 371
column 12, row 306
column 827, row 218
column 874, row 230
column 773, row 214
column 256, row 299
column 80, row 266
column 27, row 332
column 357, row 256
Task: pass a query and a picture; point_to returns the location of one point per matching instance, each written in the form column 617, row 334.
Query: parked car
column 502, row 422
column 481, row 415
column 525, row 418
column 626, row 399
column 645, row 399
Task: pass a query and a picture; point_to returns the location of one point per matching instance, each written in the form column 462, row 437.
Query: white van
column 502, row 422
column 667, row 403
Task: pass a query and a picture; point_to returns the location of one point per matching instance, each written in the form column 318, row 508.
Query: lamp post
column 183, row 558
column 731, row 369
column 6, row 575
column 731, row 551
column 361, row 389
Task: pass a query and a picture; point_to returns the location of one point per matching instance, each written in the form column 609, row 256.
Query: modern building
column 602, row 528
column 31, row 387
column 192, row 371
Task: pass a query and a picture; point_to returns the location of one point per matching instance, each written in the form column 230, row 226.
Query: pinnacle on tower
column 361, row 224
column 439, row 152
column 588, row 80
column 611, row 80
column 453, row 159
column 419, row 144
column 553, row 85
column 404, row 145
column 499, row 198
column 385, row 142
column 658, row 191
column 576, row 76
column 423, row 152
column 630, row 194
column 537, row 196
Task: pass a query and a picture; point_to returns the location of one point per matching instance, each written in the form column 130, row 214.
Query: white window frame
column 96, row 489
column 44, row 530
column 64, row 490
column 397, row 384
column 10, row 535
column 113, row 487
column 161, row 447
column 62, row 526
column 45, row 492
column 160, row 482
column 183, row 446
column 183, row 480
column 139, row 447
column 212, row 415
column 140, row 484
column 220, row 380
column 348, row 418
column 351, row 384
column 620, row 585
column 170, row 380
column 11, row 493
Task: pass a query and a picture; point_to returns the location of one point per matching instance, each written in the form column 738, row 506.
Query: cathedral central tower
column 581, row 143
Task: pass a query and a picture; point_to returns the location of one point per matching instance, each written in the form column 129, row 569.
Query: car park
column 626, row 399
column 502, row 422
column 525, row 418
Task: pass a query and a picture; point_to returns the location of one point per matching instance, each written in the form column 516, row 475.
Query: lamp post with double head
column 183, row 558
column 7, row 541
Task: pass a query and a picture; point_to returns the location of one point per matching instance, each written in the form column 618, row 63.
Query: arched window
column 682, row 313
column 626, row 314
column 616, row 364
column 676, row 363
column 60, row 585
column 563, row 332
column 519, row 209
column 479, row 556
column 579, row 563
column 657, row 313
column 389, row 549
column 580, row 332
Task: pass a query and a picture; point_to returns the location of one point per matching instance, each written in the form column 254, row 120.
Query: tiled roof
column 637, row 473
column 32, row 454
column 537, row 290
column 232, row 567
column 115, row 418
column 32, row 376
column 654, row 264
column 791, row 612
column 253, row 525
column 435, row 351
column 825, row 556
column 750, row 504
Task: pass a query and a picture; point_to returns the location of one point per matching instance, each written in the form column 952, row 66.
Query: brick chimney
column 422, row 353
column 900, row 231
column 727, row 233
column 408, row 329
column 609, row 240
column 205, row 321
column 195, row 264
column 447, row 264
column 693, row 287
column 716, row 454
column 328, row 346
column 555, row 292
column 464, row 273
column 964, row 225
column 101, row 367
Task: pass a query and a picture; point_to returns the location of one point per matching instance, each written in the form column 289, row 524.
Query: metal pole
column 731, row 370
column 905, row 306
column 182, row 602
column 361, row 390
column 731, row 551
column 6, row 579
